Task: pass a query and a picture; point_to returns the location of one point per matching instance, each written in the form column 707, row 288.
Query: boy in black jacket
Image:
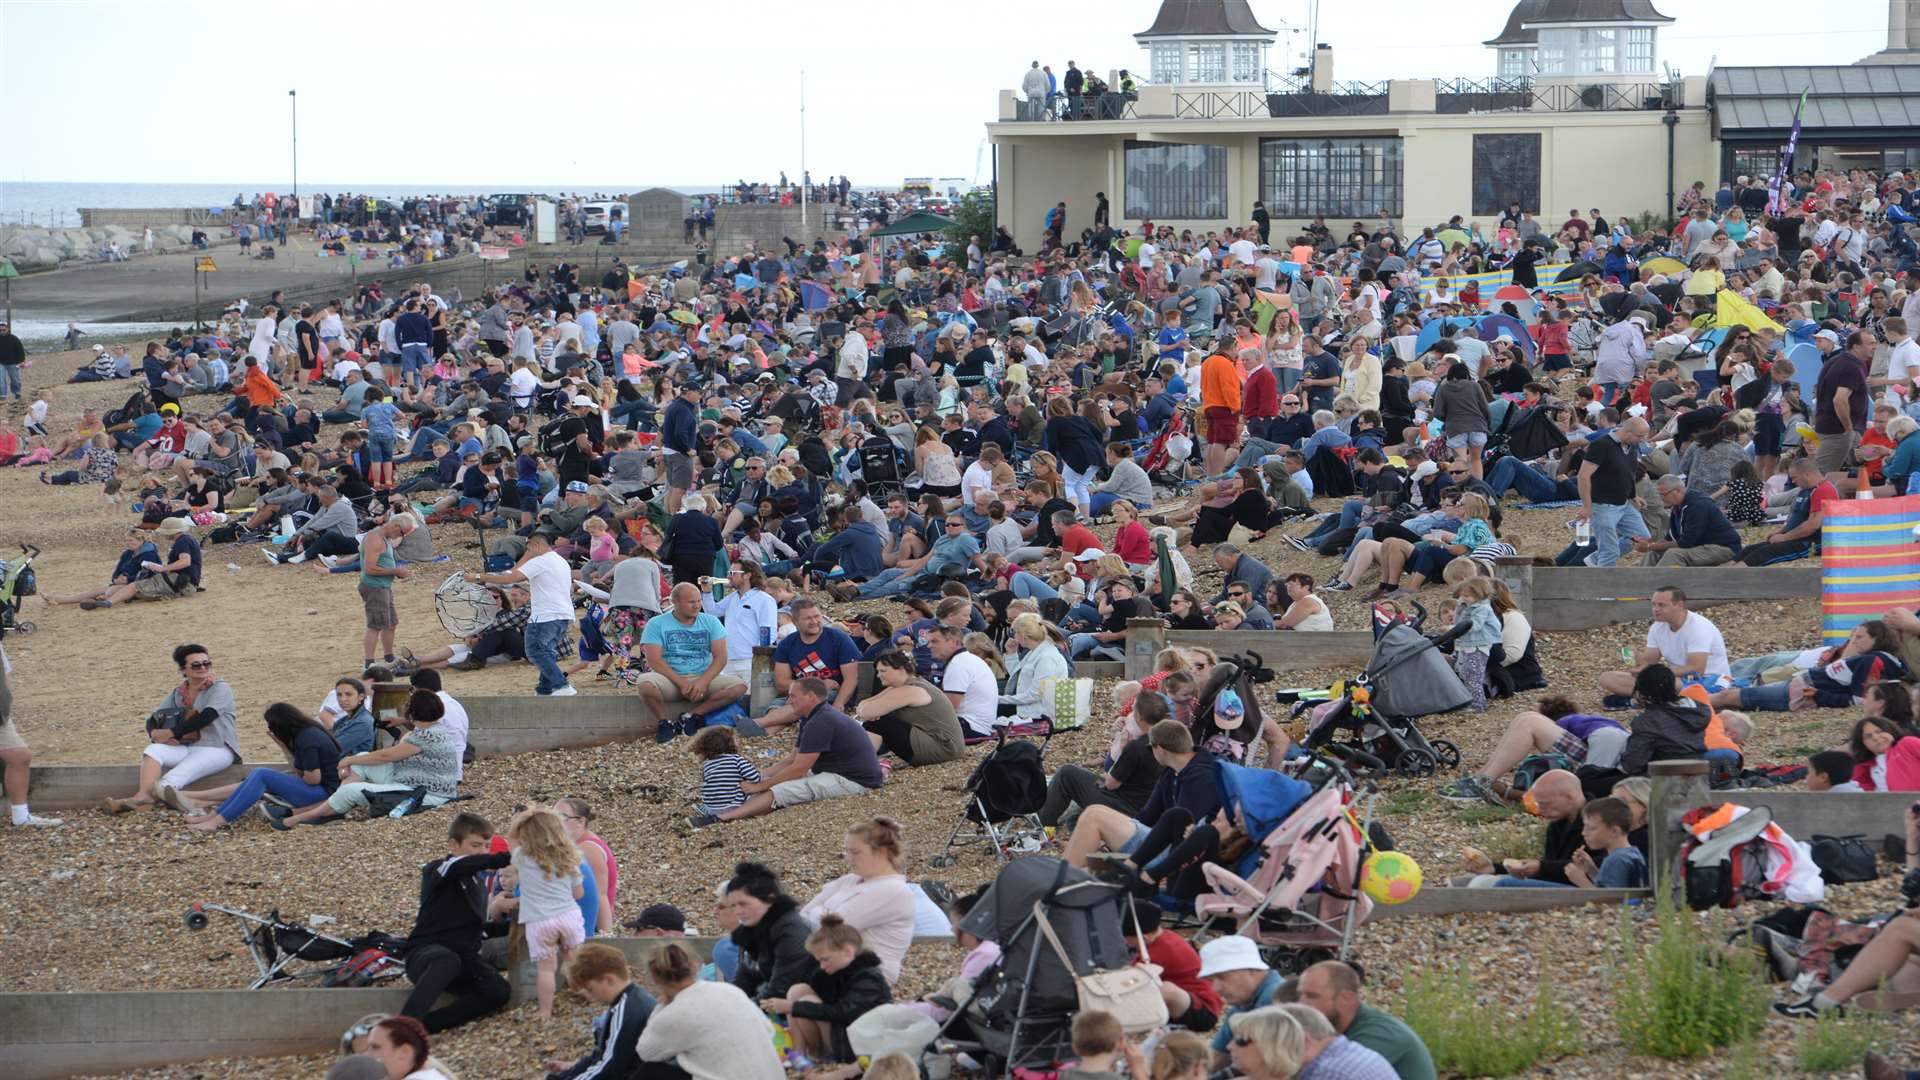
column 601, row 972
column 443, row 952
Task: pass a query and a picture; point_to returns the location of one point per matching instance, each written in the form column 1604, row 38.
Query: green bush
column 1680, row 995
column 972, row 216
column 1509, row 838
column 1833, row 1044
column 1465, row 1039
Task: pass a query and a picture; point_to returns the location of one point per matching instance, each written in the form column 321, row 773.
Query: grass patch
column 1467, row 1039
column 1836, row 1044
column 1509, row 838
column 1403, row 803
column 1681, row 995
column 1482, row 813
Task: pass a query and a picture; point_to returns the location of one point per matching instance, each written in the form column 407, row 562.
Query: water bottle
column 1583, row 532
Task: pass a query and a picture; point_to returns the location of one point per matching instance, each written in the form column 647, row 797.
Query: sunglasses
column 956, row 524
column 200, row 665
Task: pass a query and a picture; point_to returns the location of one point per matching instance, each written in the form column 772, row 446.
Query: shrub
column 972, row 216
column 1680, row 995
column 1466, row 1039
column 1509, row 838
column 1832, row 1043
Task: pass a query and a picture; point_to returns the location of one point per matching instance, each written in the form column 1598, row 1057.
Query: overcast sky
column 617, row 97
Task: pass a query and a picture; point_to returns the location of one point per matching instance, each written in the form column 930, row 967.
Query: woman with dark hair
column 772, row 936
column 1184, row 612
column 1708, row 461
column 1460, row 404
column 311, row 751
column 908, row 716
column 400, row 1044
column 896, row 338
column 1886, row 752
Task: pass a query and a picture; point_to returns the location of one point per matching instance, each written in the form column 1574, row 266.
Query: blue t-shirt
column 380, row 417
column 1623, row 868
column 147, row 426
column 952, row 551
column 820, row 660
column 687, row 649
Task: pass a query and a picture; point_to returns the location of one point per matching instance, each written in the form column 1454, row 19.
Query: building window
column 1762, row 162
column 1348, row 178
column 1247, row 67
column 1167, row 58
column 1514, row 63
column 1206, row 62
column 1506, row 170
column 1639, row 49
column 1173, row 181
column 1599, row 52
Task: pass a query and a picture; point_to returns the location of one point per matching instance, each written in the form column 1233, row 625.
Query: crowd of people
column 682, row 467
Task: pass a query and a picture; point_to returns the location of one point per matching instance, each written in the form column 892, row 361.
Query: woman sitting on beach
column 198, row 739
column 502, row 637
column 910, row 717
column 428, row 757
column 129, row 569
column 872, row 896
column 347, row 713
column 313, row 754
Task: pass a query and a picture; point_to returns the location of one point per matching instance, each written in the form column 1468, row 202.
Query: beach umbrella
column 1450, row 237
column 1163, row 566
column 1665, row 264
column 814, row 296
column 1268, row 304
column 1578, row 270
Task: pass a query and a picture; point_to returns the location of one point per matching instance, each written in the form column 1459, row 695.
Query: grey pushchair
column 1407, row 677
column 1021, row 1013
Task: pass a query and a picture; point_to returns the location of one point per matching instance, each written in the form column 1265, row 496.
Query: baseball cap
column 659, row 917
column 577, row 485
column 582, row 401
column 1829, row 335
column 1089, row 555
column 99, row 348
column 1229, row 712
column 1231, row 953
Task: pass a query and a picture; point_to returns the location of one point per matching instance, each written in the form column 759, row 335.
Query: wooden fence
column 1282, row 650
column 1584, row 597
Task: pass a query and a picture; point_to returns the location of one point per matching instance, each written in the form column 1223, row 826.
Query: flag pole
column 803, row 154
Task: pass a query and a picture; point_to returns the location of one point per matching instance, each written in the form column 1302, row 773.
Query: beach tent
column 917, row 223
column 1665, row 264
column 814, row 296
column 1522, row 301
column 1491, row 327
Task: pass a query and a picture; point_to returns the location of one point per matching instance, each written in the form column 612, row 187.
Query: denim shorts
column 1133, row 842
column 379, row 448
column 1460, row 441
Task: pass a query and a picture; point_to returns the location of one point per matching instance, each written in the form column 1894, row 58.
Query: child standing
column 1475, row 642
column 37, row 413
column 548, row 864
column 842, row 983
column 722, row 770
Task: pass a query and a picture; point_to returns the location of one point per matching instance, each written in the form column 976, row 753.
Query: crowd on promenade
column 896, row 450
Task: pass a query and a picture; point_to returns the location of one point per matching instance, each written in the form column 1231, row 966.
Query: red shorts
column 1223, row 426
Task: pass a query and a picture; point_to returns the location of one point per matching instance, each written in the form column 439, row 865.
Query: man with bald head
column 1557, row 797
column 1606, row 478
column 686, row 649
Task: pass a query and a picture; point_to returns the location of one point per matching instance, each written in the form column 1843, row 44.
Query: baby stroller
column 1022, row 1010
column 1004, row 796
column 275, row 944
column 1406, row 677
column 1296, row 892
column 17, row 583
column 881, row 466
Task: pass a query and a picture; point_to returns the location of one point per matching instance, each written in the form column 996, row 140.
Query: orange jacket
column 1220, row 383
column 259, row 389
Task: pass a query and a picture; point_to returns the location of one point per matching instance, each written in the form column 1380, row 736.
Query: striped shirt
column 720, row 780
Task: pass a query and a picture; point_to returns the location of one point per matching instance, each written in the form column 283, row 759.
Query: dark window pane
column 1506, row 170
column 1176, row 181
column 1351, row 178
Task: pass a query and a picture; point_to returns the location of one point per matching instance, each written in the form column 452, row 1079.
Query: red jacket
column 1551, row 338
column 1260, row 397
column 1903, row 768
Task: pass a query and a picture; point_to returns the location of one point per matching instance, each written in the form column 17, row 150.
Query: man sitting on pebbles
column 832, row 758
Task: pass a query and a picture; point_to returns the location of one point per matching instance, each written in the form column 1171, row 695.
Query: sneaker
column 666, row 732
column 689, row 724
column 1616, row 702
column 565, row 691
column 1296, row 543
column 701, row 821
column 1467, row 789
column 35, row 821
column 274, row 811
column 94, row 605
column 1336, row 585
column 1807, row 1008
column 296, row 560
column 270, row 556
column 328, row 561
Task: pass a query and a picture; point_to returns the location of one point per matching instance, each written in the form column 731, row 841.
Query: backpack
column 364, row 968
column 1534, row 766
column 1730, row 865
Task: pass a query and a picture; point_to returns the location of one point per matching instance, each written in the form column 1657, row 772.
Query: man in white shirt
column 525, row 384
column 1243, row 250
column 1266, row 269
column 852, row 363
column 1147, row 252
column 550, row 588
column 1903, row 363
column 968, row 681
column 344, row 367
column 1686, row 642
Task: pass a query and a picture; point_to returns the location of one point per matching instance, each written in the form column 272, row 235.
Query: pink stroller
column 1300, row 897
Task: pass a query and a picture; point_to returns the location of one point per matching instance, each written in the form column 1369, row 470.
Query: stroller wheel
column 196, row 920
column 942, row 861
column 24, row 627
column 1415, row 762
column 1446, row 752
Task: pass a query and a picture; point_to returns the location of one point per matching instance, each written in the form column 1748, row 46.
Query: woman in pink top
column 575, row 813
column 874, row 897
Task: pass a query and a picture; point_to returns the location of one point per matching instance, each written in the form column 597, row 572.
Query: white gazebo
column 1207, row 43
column 1584, row 38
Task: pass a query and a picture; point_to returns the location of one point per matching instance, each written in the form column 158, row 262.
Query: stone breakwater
column 35, row 248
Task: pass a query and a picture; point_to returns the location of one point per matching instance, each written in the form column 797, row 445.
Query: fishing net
column 465, row 608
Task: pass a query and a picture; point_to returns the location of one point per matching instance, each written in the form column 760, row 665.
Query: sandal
column 119, row 806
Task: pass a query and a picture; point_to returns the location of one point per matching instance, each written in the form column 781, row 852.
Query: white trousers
column 187, row 764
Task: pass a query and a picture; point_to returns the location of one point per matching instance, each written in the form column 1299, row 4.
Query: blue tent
column 1492, row 326
column 1430, row 333
column 1805, row 356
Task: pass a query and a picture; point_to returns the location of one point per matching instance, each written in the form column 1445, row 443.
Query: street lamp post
column 293, row 102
